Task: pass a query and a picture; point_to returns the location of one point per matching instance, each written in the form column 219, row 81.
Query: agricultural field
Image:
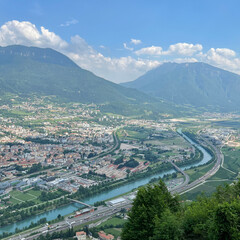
column 231, row 158
column 176, row 140
column 112, row 226
column 127, row 134
column 206, row 189
column 197, row 172
column 223, row 174
column 113, row 221
column 226, row 174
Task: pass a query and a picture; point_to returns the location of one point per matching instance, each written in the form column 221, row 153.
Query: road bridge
column 183, row 173
column 77, row 201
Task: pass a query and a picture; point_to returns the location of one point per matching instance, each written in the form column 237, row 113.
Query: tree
column 150, row 203
column 119, row 160
column 226, row 224
column 168, row 227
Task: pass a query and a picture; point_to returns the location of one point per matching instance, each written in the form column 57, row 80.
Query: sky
column 121, row 40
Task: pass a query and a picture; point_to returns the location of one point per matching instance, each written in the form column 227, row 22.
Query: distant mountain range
column 196, row 84
column 28, row 71
column 169, row 88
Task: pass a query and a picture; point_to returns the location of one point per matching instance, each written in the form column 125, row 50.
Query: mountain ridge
column 30, row 69
column 26, row 71
column 197, row 84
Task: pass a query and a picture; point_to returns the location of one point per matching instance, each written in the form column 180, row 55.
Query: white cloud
column 153, row 50
column 26, row 33
column 223, row 58
column 226, row 52
column 126, row 47
column 115, row 69
column 185, row 60
column 184, row 49
column 135, row 41
column 120, row 69
column 68, row 23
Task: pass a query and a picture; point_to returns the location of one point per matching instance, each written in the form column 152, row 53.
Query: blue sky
column 97, row 34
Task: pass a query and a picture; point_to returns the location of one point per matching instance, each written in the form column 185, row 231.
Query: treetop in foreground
column 157, row 215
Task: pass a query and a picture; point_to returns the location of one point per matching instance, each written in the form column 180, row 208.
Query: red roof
column 103, row 235
column 80, row 233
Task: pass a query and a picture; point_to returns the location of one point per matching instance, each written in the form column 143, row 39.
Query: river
column 70, row 208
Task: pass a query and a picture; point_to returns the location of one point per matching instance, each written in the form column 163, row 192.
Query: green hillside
column 25, row 70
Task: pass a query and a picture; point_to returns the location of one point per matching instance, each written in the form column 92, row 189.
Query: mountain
column 196, row 84
column 29, row 70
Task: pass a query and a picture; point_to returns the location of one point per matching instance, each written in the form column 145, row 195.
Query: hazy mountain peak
column 198, row 84
column 47, row 55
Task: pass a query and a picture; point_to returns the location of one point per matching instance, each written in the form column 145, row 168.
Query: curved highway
column 219, row 158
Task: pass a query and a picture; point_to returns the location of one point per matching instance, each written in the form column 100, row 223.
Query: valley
column 76, row 151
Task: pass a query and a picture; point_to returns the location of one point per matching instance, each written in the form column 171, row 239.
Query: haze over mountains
column 197, row 84
column 31, row 70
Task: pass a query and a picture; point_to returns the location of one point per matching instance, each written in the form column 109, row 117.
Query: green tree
column 226, row 222
column 150, row 203
column 168, row 227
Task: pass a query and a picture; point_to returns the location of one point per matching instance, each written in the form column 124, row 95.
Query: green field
column 113, row 221
column 114, row 231
column 19, row 197
column 175, row 141
column 178, row 141
column 223, row 174
column 231, row 158
column 196, row 173
column 207, row 189
column 134, row 135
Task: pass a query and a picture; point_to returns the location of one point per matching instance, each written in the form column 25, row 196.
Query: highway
column 101, row 212
column 185, row 183
column 219, row 158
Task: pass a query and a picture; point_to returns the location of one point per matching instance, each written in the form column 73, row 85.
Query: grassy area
column 112, row 226
column 196, row 173
column 34, row 192
column 221, row 177
column 116, row 232
column 113, row 221
column 175, row 141
column 231, row 158
column 19, row 197
column 133, row 135
column 223, row 174
column 207, row 188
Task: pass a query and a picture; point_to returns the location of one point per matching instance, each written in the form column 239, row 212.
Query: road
column 101, row 212
column 110, row 150
column 185, row 183
column 219, row 158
